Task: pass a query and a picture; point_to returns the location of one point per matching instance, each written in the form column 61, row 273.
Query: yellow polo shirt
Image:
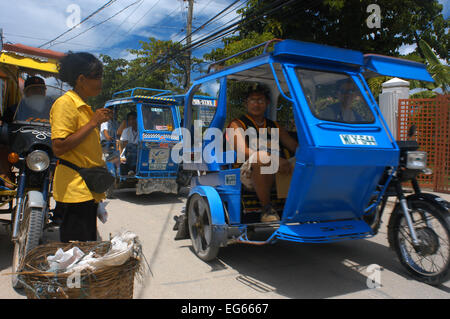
column 68, row 114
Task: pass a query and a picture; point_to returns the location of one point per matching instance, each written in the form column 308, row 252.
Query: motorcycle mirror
column 412, row 130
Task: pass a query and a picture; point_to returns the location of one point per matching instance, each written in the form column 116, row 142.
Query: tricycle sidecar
column 341, row 159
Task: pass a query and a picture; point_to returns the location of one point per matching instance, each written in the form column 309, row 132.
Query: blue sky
column 34, row 22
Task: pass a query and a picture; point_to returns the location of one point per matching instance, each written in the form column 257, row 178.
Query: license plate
column 350, row 139
column 158, row 158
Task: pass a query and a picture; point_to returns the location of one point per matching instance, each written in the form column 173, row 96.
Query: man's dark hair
column 72, row 65
column 259, row 89
column 130, row 114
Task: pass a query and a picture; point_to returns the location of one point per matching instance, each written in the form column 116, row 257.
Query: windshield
column 157, row 118
column 35, row 108
column 334, row 97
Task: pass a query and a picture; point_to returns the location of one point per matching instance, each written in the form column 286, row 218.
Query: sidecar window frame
column 365, row 104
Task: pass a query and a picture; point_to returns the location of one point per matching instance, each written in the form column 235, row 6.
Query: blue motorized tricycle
column 346, row 165
column 145, row 162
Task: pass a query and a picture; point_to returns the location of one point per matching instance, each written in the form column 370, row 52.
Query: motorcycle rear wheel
column 430, row 262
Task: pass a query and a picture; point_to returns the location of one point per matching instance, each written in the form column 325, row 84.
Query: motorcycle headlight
column 38, row 161
column 416, row 160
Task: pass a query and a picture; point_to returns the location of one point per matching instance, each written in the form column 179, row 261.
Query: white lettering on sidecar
column 40, row 135
column 349, row 139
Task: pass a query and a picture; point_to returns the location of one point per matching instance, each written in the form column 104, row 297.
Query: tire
column 435, row 247
column 200, row 227
column 29, row 237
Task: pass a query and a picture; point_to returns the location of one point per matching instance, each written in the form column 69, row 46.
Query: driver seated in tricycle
column 128, row 146
column 252, row 176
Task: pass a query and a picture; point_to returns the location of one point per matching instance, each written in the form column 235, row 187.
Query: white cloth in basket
column 122, row 248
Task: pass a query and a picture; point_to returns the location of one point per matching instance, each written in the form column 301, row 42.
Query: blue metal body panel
column 334, row 176
column 227, row 183
column 317, row 52
column 324, row 232
column 214, row 202
column 390, row 66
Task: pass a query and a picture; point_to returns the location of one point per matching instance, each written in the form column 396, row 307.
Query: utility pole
column 188, row 40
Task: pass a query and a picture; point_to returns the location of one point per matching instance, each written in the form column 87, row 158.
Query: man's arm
column 123, row 143
column 285, row 139
column 61, row 146
column 239, row 140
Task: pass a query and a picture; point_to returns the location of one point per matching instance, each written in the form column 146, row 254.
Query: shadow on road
column 6, row 247
column 307, row 270
column 150, row 199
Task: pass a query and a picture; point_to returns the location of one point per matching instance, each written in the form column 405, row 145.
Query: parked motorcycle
column 29, row 140
column 419, row 225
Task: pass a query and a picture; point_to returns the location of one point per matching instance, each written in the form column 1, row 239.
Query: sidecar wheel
column 430, row 261
column 200, row 229
column 29, row 237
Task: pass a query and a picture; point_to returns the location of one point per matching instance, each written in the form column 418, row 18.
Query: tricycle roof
column 311, row 54
column 141, row 99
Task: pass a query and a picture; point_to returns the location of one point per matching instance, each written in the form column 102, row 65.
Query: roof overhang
column 390, row 66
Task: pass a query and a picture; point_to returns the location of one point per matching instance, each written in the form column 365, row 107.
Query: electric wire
column 124, row 20
column 276, row 5
column 96, row 25
column 147, row 12
column 81, row 22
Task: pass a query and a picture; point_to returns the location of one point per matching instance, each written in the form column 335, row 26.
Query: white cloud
column 407, row 48
column 34, row 22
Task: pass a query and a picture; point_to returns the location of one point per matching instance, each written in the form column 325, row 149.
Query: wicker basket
column 106, row 283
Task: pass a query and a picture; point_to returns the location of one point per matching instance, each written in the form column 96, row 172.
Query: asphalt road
column 281, row 270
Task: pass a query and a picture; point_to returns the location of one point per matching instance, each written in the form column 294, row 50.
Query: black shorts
column 79, row 221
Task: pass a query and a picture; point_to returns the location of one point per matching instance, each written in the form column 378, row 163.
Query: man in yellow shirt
column 76, row 139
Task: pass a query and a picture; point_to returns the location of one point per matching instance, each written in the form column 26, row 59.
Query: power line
column 82, row 21
column 276, row 5
column 96, row 25
column 43, row 39
column 127, row 17
column 134, row 25
column 213, row 18
column 231, row 11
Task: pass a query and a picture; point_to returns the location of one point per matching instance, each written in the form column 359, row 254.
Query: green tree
column 153, row 67
column 343, row 23
column 115, row 73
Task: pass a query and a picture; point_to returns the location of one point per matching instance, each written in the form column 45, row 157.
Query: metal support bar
column 265, row 44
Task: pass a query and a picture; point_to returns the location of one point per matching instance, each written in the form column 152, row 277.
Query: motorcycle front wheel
column 29, row 237
column 428, row 262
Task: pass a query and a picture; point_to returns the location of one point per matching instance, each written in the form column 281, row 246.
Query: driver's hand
column 123, row 160
column 102, row 115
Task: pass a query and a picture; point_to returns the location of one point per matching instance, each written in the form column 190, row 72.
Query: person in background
column 76, row 139
column 343, row 111
column 34, row 85
column 128, row 145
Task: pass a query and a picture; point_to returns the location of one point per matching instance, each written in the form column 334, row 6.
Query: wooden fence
column 432, row 119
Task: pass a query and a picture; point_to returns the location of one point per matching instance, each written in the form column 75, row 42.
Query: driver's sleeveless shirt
column 68, row 114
